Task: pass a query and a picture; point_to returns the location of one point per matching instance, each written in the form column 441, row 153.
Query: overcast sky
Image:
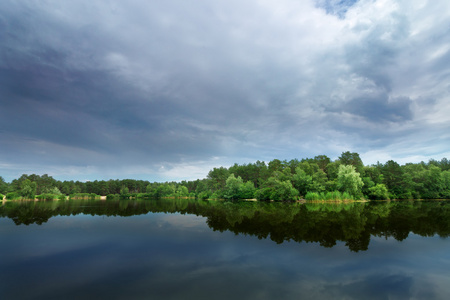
column 167, row 90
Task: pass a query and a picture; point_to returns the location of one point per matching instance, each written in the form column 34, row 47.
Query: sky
column 168, row 90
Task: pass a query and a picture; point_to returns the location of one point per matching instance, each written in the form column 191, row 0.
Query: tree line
column 309, row 178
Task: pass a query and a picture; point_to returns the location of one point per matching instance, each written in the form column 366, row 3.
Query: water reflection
column 326, row 224
column 165, row 249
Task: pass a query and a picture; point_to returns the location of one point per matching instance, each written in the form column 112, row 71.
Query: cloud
column 380, row 109
column 336, row 7
column 169, row 83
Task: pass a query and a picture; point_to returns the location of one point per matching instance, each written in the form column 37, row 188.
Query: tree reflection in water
column 352, row 223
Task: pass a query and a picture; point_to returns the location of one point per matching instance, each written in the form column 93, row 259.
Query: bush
column 79, row 196
column 94, row 196
column 379, row 192
column 283, row 191
column 247, row 190
column 263, row 194
column 203, row 195
column 216, row 195
column 335, row 195
column 13, row 196
column 277, row 190
column 408, row 196
column 125, row 196
column 312, row 196
column 347, row 196
column 112, row 196
column 2, row 196
column 47, row 196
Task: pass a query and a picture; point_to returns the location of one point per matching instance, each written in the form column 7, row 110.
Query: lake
column 189, row 249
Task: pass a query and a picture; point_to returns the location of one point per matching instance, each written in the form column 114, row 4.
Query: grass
column 329, row 196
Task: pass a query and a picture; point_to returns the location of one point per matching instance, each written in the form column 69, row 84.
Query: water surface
column 187, row 249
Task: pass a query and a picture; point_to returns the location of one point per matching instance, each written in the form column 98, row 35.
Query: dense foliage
column 312, row 178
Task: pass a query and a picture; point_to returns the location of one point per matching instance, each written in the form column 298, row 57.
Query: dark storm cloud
column 144, row 87
column 46, row 106
column 380, row 109
column 51, row 90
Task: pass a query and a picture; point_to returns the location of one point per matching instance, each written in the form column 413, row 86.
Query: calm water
column 186, row 249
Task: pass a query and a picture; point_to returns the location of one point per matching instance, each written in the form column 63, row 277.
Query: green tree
column 349, row 181
column 332, row 170
column 279, row 190
column 28, row 189
column 379, row 192
column 55, row 191
column 414, row 179
column 263, row 193
column 434, row 183
column 182, row 191
column 393, row 179
column 125, row 191
column 283, row 175
column 368, row 183
column 444, row 164
column 261, row 173
column 322, row 161
column 446, row 183
column 374, row 173
column 233, row 187
column 301, row 181
column 247, row 190
column 202, row 187
column 319, row 181
column 275, row 165
column 284, row 191
column 217, row 178
column 309, row 167
column 293, row 164
column 3, row 186
column 165, row 190
column 352, row 158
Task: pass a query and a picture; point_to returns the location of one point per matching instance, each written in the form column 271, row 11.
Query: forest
column 318, row 178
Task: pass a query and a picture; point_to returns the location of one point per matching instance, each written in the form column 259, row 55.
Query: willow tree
column 349, row 181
